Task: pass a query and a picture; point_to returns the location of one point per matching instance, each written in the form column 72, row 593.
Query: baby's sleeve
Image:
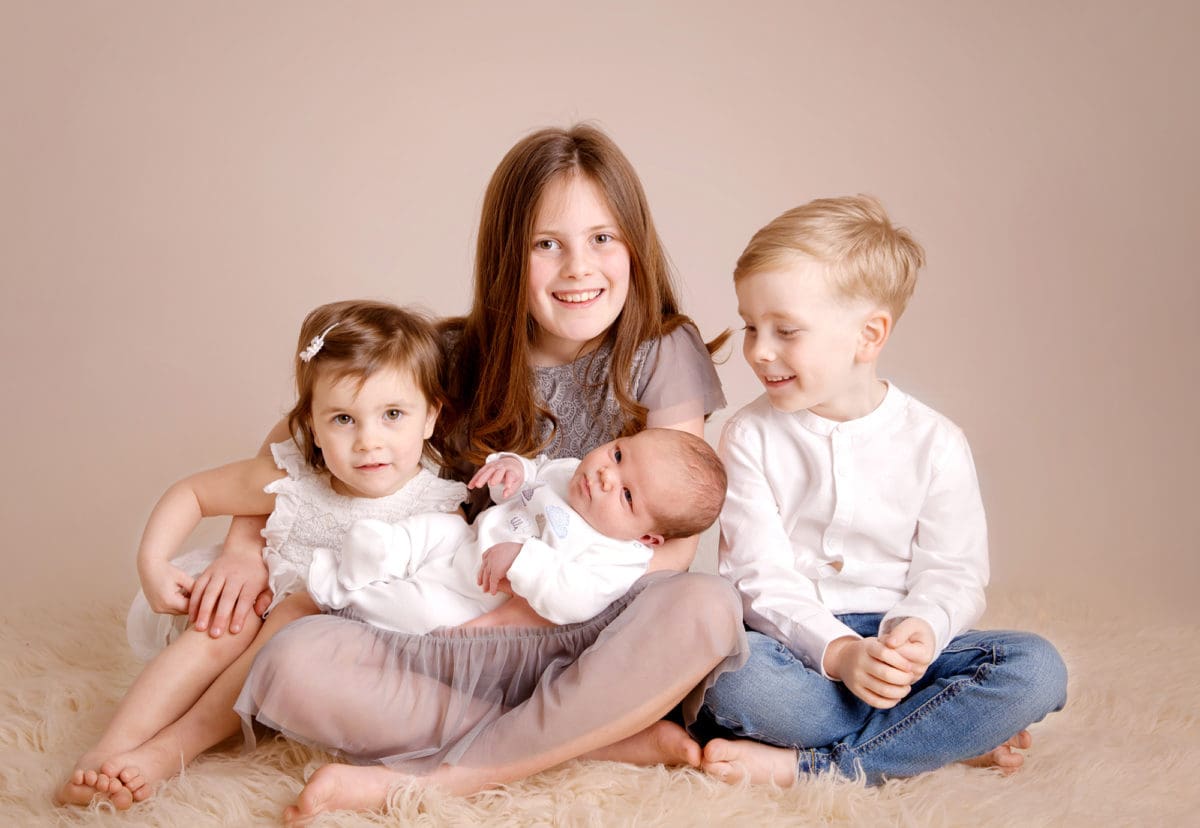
column 679, row 382
column 566, row 587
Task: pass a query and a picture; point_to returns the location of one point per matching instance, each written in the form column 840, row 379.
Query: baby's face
column 619, row 487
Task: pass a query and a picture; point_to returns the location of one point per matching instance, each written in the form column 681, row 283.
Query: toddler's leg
column 170, row 684
column 208, row 722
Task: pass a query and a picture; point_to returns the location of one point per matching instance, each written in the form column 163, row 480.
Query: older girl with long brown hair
column 574, row 337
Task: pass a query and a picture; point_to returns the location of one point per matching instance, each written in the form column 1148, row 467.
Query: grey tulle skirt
column 490, row 696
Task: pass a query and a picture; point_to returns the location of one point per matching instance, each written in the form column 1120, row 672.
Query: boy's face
column 803, row 341
column 618, row 484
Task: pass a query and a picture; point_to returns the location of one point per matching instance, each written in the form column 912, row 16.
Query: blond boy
column 854, row 531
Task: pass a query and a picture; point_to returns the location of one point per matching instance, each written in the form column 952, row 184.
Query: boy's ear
column 876, row 329
column 651, row 540
column 431, row 418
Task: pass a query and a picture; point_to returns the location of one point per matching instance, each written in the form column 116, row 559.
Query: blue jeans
column 983, row 689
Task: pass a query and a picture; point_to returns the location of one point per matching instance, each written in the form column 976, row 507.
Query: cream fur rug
column 1125, row 751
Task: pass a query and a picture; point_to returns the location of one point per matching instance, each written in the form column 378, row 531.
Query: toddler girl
column 368, row 398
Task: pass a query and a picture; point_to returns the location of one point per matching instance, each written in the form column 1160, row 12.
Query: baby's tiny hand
column 503, row 470
column 497, row 560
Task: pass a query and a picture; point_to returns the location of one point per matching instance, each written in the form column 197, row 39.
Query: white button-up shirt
column 877, row 514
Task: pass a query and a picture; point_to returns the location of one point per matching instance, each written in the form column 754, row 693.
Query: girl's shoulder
column 427, row 492
column 290, row 460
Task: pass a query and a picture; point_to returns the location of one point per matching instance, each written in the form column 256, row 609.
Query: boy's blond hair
column 865, row 254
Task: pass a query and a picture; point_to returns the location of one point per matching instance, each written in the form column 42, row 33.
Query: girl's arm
column 233, row 489
column 225, row 593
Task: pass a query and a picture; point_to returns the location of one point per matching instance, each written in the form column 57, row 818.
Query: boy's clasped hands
column 881, row 671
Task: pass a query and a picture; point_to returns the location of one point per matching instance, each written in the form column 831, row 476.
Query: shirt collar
column 888, row 408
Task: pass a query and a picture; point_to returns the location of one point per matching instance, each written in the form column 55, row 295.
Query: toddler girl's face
column 372, row 434
column 801, row 340
column 578, row 269
column 616, row 487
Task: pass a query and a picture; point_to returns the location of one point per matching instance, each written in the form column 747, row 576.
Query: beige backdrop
column 182, row 181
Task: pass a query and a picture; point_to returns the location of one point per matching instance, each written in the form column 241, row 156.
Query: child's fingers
column 886, row 675
column 881, row 652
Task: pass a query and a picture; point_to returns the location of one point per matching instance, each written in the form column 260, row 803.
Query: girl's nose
column 366, row 438
column 579, row 262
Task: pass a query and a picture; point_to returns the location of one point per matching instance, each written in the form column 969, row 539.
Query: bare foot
column 733, row 761
column 87, row 782
column 663, row 743
column 341, row 788
column 139, row 771
column 1005, row 758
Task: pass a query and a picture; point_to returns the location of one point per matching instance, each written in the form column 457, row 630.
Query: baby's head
column 659, row 484
column 820, row 289
column 367, row 394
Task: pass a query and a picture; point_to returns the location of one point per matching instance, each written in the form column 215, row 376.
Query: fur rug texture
column 1125, row 751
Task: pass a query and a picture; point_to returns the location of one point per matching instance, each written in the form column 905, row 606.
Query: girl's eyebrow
column 556, row 231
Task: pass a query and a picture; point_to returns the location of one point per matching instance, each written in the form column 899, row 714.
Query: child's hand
column 913, row 639
column 878, row 675
column 493, row 573
column 502, row 470
column 167, row 589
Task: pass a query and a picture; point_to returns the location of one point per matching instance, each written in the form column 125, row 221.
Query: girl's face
column 371, row 435
column 578, row 270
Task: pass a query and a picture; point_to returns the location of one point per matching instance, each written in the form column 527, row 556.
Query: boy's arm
column 756, row 554
column 949, row 567
column 568, row 586
column 232, row 489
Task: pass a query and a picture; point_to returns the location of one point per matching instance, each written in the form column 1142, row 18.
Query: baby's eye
column 750, row 330
column 788, row 333
column 343, row 419
column 616, row 455
column 628, row 496
column 393, row 414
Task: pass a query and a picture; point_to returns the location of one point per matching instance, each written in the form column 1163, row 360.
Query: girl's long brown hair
column 489, row 379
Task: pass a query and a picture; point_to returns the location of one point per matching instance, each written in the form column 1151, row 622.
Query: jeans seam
column 945, row 695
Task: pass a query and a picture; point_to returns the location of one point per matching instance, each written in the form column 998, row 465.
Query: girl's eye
column 628, row 496
column 603, row 238
column 545, row 244
column 343, row 419
column 393, row 414
column 750, row 330
column 617, row 457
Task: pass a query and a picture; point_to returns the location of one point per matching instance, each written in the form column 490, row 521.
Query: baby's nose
column 605, row 478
